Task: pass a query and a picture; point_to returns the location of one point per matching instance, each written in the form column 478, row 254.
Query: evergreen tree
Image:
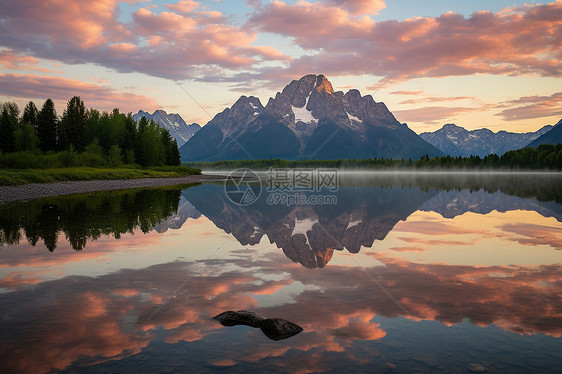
column 140, row 154
column 47, row 126
column 170, row 148
column 74, row 120
column 174, row 159
column 13, row 111
column 62, row 137
column 128, row 140
column 30, row 115
column 7, row 138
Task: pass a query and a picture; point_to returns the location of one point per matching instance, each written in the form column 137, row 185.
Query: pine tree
column 129, row 139
column 30, row 115
column 47, row 126
column 13, row 110
column 7, row 138
column 74, row 120
column 175, row 154
column 140, row 152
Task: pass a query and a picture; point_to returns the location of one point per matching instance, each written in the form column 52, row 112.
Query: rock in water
column 273, row 328
column 279, row 328
column 241, row 317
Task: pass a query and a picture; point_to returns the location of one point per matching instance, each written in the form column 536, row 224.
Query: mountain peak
column 324, row 85
column 455, row 140
column 306, row 119
column 451, row 126
column 315, row 82
column 246, row 102
column 172, row 122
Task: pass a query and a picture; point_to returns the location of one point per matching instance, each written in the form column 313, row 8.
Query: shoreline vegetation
column 15, row 177
column 545, row 157
column 83, row 145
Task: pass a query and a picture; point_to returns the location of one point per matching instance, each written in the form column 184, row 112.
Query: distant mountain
column 455, row 141
column 172, row 122
column 554, row 136
column 307, row 120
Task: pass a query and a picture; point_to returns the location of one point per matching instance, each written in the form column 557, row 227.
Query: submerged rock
column 273, row 328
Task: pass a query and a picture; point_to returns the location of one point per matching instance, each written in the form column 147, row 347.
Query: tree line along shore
column 82, row 144
column 544, row 157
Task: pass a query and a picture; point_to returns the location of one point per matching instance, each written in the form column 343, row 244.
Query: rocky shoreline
column 37, row 190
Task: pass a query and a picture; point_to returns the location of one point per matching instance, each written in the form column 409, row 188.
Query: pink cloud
column 432, row 114
column 61, row 89
column 533, row 107
column 14, row 61
column 184, row 6
column 522, row 40
column 436, row 99
column 179, row 42
column 533, row 235
column 122, row 312
column 358, row 7
column 399, row 92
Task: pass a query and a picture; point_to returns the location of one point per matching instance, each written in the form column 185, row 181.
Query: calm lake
column 385, row 273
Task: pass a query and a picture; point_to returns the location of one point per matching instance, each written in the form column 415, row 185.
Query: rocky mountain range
column 172, row 122
column 455, row 141
column 554, row 136
column 306, row 120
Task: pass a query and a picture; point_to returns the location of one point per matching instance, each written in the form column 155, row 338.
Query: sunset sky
column 494, row 64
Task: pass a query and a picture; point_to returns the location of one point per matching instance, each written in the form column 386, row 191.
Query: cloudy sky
column 477, row 63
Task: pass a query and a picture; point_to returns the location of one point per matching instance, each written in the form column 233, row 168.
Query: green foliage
column 69, row 157
column 94, row 148
column 82, row 138
column 7, row 130
column 30, row 114
column 47, row 123
column 74, row 123
column 25, row 138
column 114, row 157
column 128, row 142
column 12, row 108
column 545, row 156
column 90, row 159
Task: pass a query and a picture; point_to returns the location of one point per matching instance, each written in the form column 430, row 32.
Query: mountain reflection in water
column 458, row 277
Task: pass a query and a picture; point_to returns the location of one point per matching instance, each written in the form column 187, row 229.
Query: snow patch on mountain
column 303, row 114
column 353, row 118
column 172, row 122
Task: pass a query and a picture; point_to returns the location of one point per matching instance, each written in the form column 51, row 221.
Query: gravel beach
column 36, row 190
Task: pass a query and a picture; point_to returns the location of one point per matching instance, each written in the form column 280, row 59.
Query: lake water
column 397, row 274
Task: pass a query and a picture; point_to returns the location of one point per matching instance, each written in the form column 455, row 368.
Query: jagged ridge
column 172, row 122
column 306, row 120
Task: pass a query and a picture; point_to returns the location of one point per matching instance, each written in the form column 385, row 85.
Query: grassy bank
column 13, row 177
